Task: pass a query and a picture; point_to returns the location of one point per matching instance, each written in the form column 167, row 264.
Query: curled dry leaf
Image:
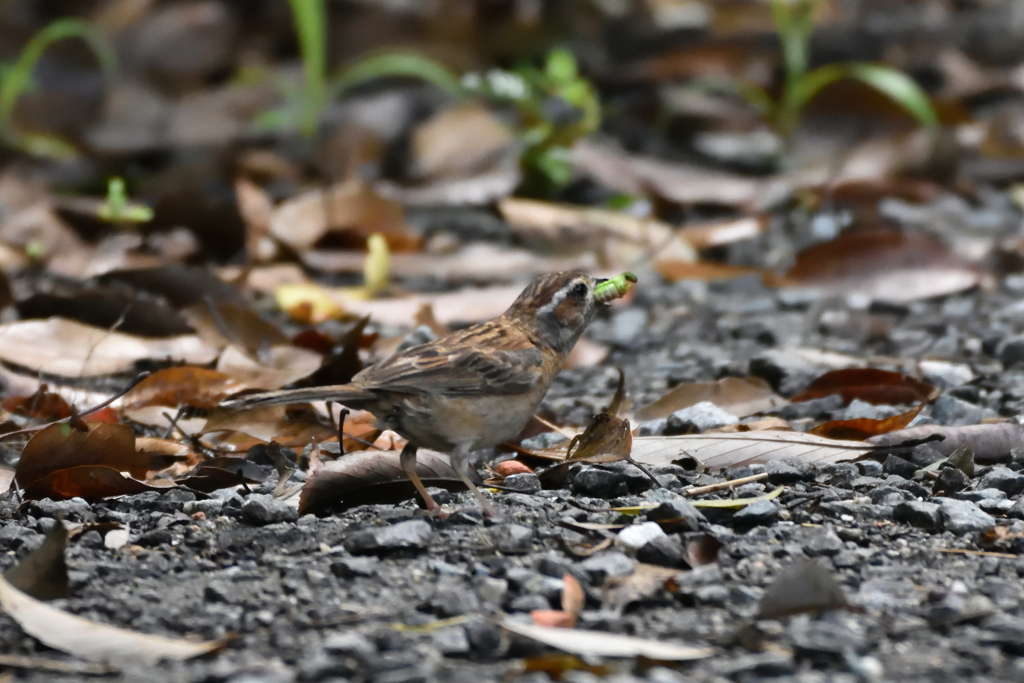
column 645, row 581
column 740, row 396
column 573, row 599
column 65, row 348
column 882, row 265
column 458, row 141
column 43, row 573
column 864, row 428
column 274, row 367
column 90, row 482
column 727, row 450
column 373, row 477
column 222, row 323
column 720, row 233
column 871, row 385
column 91, row 640
column 42, row 405
column 182, row 386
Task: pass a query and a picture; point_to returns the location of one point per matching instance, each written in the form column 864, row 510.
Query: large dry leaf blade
column 744, row 448
column 93, row 641
column 597, row 644
column 65, row 348
column 741, row 396
column 368, row 477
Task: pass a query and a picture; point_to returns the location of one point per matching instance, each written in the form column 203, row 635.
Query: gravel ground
column 380, row 593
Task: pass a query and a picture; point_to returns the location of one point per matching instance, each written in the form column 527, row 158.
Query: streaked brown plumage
column 472, row 389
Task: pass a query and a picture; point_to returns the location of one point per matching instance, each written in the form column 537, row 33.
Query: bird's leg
column 462, row 464
column 408, row 462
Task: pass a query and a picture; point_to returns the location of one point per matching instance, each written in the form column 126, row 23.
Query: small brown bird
column 474, row 388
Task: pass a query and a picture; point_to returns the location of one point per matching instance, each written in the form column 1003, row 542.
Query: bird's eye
column 579, row 290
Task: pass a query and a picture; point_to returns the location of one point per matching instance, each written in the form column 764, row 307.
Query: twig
column 725, row 485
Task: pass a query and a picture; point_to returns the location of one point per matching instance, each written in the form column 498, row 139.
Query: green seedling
column 614, row 288
column 794, row 22
column 117, row 209
column 556, row 107
column 16, row 80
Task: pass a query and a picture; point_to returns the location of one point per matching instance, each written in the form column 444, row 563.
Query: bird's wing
column 481, row 360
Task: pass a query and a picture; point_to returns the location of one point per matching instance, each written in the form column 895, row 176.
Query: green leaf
column 556, row 165
column 310, row 18
column 395, row 64
column 561, row 67
column 900, row 88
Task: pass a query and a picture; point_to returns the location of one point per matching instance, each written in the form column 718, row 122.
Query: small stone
column 816, row 408
column 413, row 534
column 486, row 638
column 524, row 483
column 652, row 427
column 894, row 464
column 349, row 644
column 451, row 641
column 788, row 471
column 918, row 513
column 1011, row 351
column 786, row 371
column 72, row 509
column 945, row 375
column 761, row 513
column 665, row 551
column 627, row 324
column 862, row 409
column 453, row 598
column 608, row 564
column 678, row 514
column 962, row 516
column 528, row 603
column 995, row 507
column 1017, row 510
column 348, row 567
column 951, row 480
column 597, row 482
column 950, row 410
column 870, row 468
column 823, row 541
column 543, row 440
column 491, row 591
column 635, row 536
column 704, row 416
column 211, row 507
column 980, row 494
column 260, row 509
column 512, row 539
column 1003, row 478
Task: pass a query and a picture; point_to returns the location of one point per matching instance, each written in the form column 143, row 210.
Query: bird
column 473, row 388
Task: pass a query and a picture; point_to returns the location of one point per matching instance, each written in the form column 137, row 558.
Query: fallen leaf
column 720, row 233
column 91, row 640
column 728, row 450
column 65, row 348
column 42, row 405
column 573, row 599
column 702, row 549
column 43, row 573
column 91, row 482
column 597, row 644
column 674, row 270
column 223, row 323
column 804, row 586
column 458, row 141
column 256, row 209
column 182, row 285
column 350, row 212
column 769, row 423
column 736, row 503
column 182, row 386
column 990, row 442
column 878, row 387
column 741, row 396
column 275, row 367
column 373, row 477
column 60, row 447
column 882, row 265
column 308, row 302
column 863, row 428
column 645, row 581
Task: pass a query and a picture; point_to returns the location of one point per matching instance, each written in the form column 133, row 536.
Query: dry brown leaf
column 764, row 424
column 460, row 306
column 727, row 450
column 882, row 265
column 256, row 209
column 351, row 210
column 644, row 582
column 741, row 396
column 720, row 233
column 674, row 269
column 373, row 477
column 182, row 386
column 275, row 367
column 990, row 442
column 863, row 428
column 879, row 387
column 91, row 640
column 65, row 348
column 597, row 644
column 458, row 141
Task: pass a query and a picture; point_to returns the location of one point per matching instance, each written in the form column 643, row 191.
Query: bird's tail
column 342, row 393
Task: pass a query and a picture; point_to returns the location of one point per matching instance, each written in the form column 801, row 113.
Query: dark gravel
column 381, row 594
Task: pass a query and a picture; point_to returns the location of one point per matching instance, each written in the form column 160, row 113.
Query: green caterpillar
column 615, row 288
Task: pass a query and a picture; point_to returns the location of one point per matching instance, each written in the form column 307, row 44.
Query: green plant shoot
column 614, row 288
column 16, row 80
column 117, row 209
column 794, row 22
